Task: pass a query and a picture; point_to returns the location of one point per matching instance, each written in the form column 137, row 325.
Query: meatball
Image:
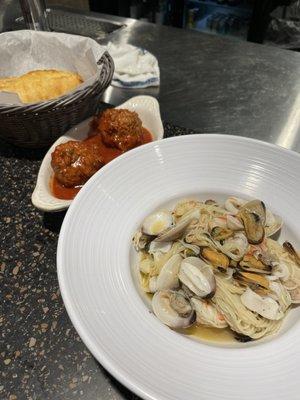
column 120, row 128
column 75, row 162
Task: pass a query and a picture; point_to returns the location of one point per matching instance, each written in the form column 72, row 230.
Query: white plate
column 147, row 108
column 96, row 279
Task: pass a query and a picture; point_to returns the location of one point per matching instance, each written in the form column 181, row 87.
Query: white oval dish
column 147, row 108
column 97, row 279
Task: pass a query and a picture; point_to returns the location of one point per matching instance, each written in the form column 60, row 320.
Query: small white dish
column 147, row 108
column 96, row 269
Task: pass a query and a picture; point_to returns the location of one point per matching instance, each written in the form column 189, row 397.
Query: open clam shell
column 198, row 277
column 173, row 309
column 168, row 276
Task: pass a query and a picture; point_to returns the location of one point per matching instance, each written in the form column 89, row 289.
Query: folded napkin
column 134, row 67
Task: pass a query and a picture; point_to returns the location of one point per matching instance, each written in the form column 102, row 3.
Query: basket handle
column 104, row 55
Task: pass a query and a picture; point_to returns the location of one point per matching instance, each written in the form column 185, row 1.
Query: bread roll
column 41, row 85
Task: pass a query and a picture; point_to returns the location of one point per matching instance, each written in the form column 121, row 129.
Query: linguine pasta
column 218, row 265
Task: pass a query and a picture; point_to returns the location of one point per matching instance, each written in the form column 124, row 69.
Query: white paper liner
column 25, row 50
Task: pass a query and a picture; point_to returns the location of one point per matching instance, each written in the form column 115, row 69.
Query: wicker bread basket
column 40, row 124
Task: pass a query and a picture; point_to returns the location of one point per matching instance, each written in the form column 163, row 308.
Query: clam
column 146, row 265
column 217, row 222
column 215, row 258
column 173, row 309
column 186, row 291
column 207, row 314
column 279, row 293
column 141, row 241
column 234, row 247
column 253, row 216
column 229, row 273
column 234, row 223
column 233, row 204
column 211, row 202
column 168, row 276
column 262, row 305
column 157, row 222
column 265, row 257
column 251, row 264
column 251, row 279
column 152, row 284
column 295, row 295
column 273, row 223
column 281, row 271
column 197, row 276
column 290, row 284
column 290, row 249
column 185, row 206
column 176, row 231
column 162, row 247
column 260, row 290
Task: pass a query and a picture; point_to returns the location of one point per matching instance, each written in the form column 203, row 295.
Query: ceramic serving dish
column 96, row 269
column 147, row 108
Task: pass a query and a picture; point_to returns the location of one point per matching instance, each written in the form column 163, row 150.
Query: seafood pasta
column 218, row 265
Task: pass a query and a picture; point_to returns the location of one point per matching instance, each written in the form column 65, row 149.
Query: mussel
column 253, row 216
column 250, row 279
column 290, row 249
column 215, row 258
column 251, row 264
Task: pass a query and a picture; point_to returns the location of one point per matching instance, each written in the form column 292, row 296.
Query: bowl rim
column 104, row 360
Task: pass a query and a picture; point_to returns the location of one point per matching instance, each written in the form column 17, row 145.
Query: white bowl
column 147, row 108
column 96, row 274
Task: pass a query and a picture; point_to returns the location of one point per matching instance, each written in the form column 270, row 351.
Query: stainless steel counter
column 218, row 85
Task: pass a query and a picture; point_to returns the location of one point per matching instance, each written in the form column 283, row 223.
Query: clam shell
column 197, row 276
column 176, row 231
column 168, row 276
column 173, row 309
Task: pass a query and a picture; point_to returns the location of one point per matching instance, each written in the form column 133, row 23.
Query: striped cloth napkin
column 134, row 67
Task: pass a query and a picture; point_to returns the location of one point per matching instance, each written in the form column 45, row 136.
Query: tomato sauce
column 62, row 192
column 108, row 153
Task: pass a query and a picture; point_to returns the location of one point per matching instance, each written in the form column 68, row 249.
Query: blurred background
column 272, row 22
